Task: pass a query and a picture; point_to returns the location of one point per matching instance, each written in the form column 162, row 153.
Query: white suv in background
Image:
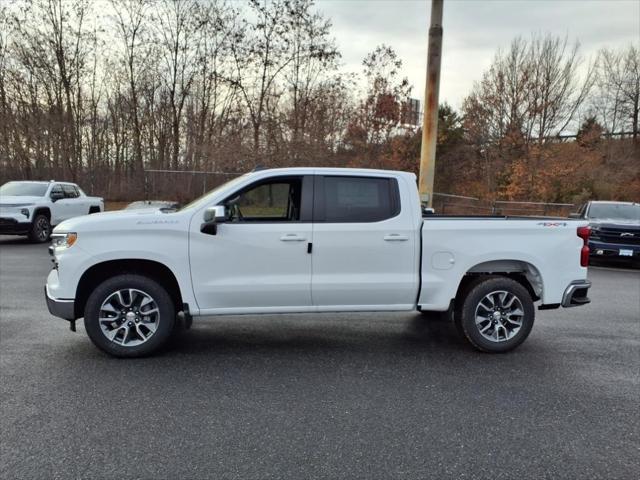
column 34, row 208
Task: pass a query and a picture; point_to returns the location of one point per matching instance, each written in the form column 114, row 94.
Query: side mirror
column 575, row 215
column 212, row 217
column 428, row 211
column 55, row 196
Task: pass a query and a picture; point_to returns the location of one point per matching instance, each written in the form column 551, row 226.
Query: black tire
column 155, row 341
column 94, row 210
column 469, row 303
column 40, row 229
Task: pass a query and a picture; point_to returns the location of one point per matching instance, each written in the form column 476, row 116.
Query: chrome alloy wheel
column 129, row 317
column 499, row 316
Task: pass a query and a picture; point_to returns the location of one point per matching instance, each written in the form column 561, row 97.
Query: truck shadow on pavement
column 7, row 240
column 293, row 335
column 316, row 334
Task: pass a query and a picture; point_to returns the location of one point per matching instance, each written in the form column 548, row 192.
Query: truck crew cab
column 299, row 240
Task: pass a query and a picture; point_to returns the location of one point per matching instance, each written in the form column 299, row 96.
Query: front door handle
column 395, row 237
column 292, row 237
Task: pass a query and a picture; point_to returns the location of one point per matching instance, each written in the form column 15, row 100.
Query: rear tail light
column 583, row 233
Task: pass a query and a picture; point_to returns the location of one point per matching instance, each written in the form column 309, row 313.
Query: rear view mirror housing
column 55, row 196
column 428, row 211
column 212, row 217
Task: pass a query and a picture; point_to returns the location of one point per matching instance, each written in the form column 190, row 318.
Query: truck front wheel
column 496, row 314
column 129, row 316
column 40, row 229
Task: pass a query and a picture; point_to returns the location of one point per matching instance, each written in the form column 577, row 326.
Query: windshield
column 24, row 189
column 203, row 198
column 615, row 211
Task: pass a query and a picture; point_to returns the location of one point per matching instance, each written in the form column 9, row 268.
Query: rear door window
column 70, row 191
column 345, row 199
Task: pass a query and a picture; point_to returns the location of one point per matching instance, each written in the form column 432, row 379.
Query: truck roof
column 29, row 181
column 41, row 182
column 334, row 170
column 613, row 202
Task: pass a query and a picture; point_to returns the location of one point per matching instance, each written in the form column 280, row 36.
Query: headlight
column 63, row 240
column 25, row 212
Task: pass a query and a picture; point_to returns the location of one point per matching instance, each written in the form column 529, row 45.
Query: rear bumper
column 11, row 226
column 60, row 308
column 575, row 294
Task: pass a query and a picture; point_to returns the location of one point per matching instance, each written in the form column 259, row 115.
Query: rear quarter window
column 70, row 191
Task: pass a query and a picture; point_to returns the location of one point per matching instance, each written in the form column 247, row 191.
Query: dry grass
column 110, row 205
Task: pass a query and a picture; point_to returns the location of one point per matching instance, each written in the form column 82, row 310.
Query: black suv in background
column 615, row 230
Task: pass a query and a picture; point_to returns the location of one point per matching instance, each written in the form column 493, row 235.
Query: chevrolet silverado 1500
column 615, row 230
column 311, row 240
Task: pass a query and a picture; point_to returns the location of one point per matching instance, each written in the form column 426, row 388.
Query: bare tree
column 313, row 55
column 133, row 54
column 617, row 100
column 555, row 87
column 51, row 48
column 378, row 114
column 535, row 88
column 261, row 52
column 213, row 95
column 5, row 108
column 530, row 95
column 178, row 21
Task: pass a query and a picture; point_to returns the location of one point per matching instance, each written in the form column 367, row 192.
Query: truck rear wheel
column 496, row 314
column 129, row 316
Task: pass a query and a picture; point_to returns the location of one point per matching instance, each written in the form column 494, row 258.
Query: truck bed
column 453, row 246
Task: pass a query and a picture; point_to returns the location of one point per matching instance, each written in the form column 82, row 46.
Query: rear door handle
column 292, row 237
column 396, row 237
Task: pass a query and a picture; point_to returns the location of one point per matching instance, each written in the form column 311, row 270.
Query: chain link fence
column 447, row 204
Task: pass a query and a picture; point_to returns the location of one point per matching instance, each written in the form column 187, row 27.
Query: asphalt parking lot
column 340, row 396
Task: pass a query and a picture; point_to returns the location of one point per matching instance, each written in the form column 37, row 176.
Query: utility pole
column 430, row 114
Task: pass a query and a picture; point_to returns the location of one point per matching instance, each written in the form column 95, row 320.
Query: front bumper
column 598, row 249
column 575, row 294
column 60, row 308
column 11, row 226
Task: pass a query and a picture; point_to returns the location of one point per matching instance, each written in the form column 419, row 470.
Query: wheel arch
column 42, row 211
column 521, row 271
column 100, row 272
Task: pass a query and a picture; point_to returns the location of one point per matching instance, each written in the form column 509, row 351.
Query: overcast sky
column 473, row 31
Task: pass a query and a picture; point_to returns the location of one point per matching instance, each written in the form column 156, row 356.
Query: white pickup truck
column 303, row 240
column 33, row 208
